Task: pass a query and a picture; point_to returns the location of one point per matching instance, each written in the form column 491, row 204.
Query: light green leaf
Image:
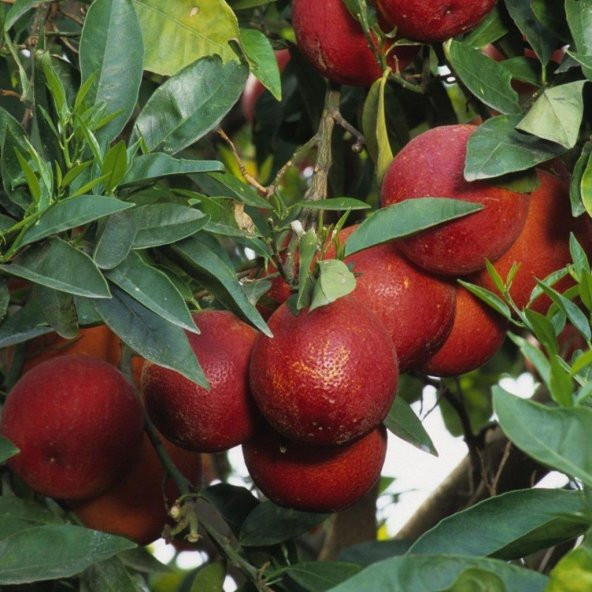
column 262, row 60
column 181, row 32
column 190, row 104
column 111, row 51
column 475, row 579
column 573, row 573
column 209, row 578
column 335, row 204
column 335, row 281
column 557, row 114
column 579, row 19
column 114, row 166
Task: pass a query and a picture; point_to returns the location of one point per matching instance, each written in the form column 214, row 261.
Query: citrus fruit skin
column 335, row 44
column 327, row 376
column 543, row 244
column 477, row 334
column 199, row 419
column 432, row 165
column 312, row 478
column 415, row 307
column 432, row 20
column 136, row 506
column 78, row 425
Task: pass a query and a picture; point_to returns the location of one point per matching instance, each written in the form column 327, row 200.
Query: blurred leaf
column 580, row 189
column 542, row 41
column 4, row 298
column 405, row 218
column 71, row 213
column 7, row 450
column 573, row 573
column 507, row 526
column 487, row 79
column 557, row 114
column 233, row 502
column 262, row 60
column 556, row 437
column 150, row 335
column 164, row 223
column 18, row 9
column 54, row 551
column 579, row 19
column 435, row 573
column 178, row 33
column 477, row 580
column 269, row 524
column 402, row 421
column 111, row 51
column 335, row 204
column 189, row 105
column 153, row 289
column 209, row 578
column 108, row 576
column 373, row 551
column 58, row 265
column 24, row 324
column 159, row 164
column 318, row 576
column 497, row 148
column 200, row 256
column 115, row 240
column 335, row 281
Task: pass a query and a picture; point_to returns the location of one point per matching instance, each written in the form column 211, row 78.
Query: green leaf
column 560, row 382
column 59, row 310
column 152, row 166
column 497, row 148
column 307, row 249
column 262, row 60
column 108, row 576
column 557, row 114
column 164, row 223
column 335, row 204
column 190, row 104
column 580, row 188
column 507, row 526
column 318, row 576
column 114, row 166
column 26, row 323
column 477, row 580
column 7, row 449
column 434, row 573
column 111, row 51
column 150, row 335
column 405, row 218
column 487, row 79
column 556, row 437
column 115, row 241
column 71, row 213
column 209, row 578
column 200, row 256
column 153, row 289
column 542, row 41
column 268, row 524
column 54, row 551
column 227, row 185
column 335, row 280
column 58, row 265
column 4, row 298
column 402, row 421
column 18, row 9
column 579, row 19
column 179, row 33
column 489, row 298
column 573, row 573
column 385, row 153
column 373, row 551
column 490, row 29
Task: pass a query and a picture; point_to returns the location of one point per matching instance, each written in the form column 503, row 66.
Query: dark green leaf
column 262, row 60
column 335, row 204
column 152, row 166
column 114, row 166
column 490, row 29
column 153, row 289
column 373, row 551
column 335, row 281
column 26, row 323
column 190, row 104
column 71, row 213
column 498, row 148
column 199, row 255
column 165, row 223
column 227, row 185
column 556, row 437
column 507, row 526
column 18, row 9
column 108, row 576
column 150, row 335
column 59, row 310
column 434, row 573
column 58, row 265
column 111, row 51
column 405, row 218
column 556, row 114
column 4, row 298
column 115, row 240
column 268, row 524
column 7, row 449
column 307, row 248
column 54, row 551
column 318, row 576
column 487, row 79
column 402, row 421
column 578, row 256
column 178, row 33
